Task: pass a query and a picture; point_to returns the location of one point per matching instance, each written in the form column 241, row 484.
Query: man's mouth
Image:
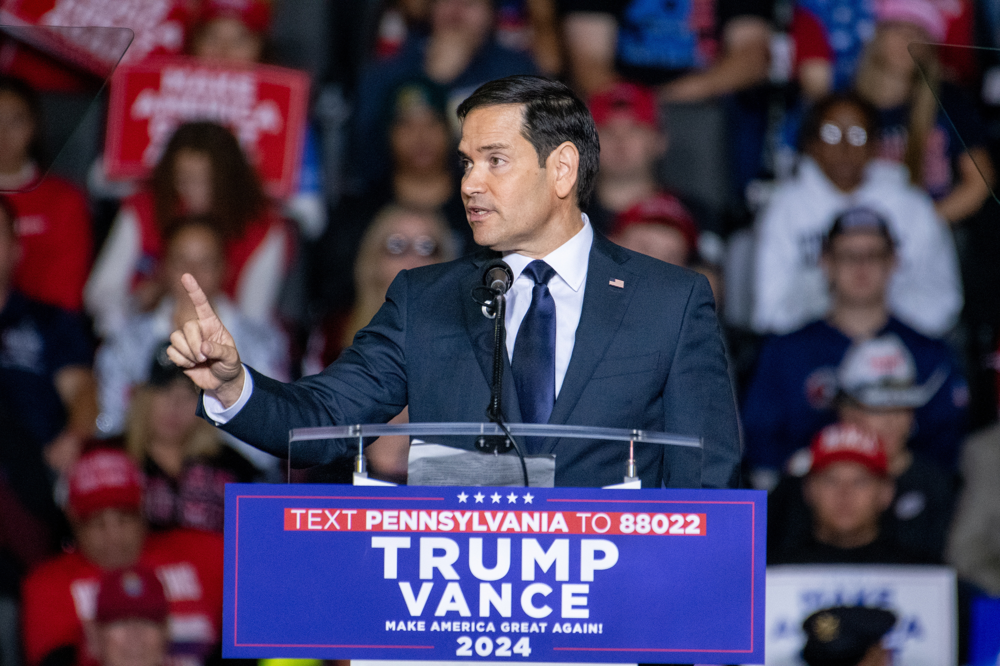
column 477, row 213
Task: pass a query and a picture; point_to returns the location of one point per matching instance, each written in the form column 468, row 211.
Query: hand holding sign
column 205, row 349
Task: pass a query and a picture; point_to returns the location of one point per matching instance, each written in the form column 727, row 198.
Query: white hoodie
column 790, row 288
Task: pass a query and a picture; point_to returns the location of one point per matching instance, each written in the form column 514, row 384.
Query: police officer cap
column 841, row 636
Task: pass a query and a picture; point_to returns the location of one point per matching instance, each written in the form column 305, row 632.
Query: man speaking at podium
column 596, row 335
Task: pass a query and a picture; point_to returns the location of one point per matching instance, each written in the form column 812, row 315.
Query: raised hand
column 205, row 349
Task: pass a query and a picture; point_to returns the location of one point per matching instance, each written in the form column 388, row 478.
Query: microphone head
column 498, row 276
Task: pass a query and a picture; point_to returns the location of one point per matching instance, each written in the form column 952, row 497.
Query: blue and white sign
column 922, row 597
column 520, row 575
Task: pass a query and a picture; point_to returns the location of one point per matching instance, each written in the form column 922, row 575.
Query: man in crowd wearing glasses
column 791, row 395
column 840, row 170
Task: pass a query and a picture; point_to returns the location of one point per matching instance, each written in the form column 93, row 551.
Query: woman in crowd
column 901, row 74
column 53, row 220
column 203, row 171
column 185, row 462
column 234, row 33
column 422, row 177
column 398, row 239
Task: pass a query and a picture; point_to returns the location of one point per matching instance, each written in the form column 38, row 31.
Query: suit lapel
column 604, row 307
column 480, row 330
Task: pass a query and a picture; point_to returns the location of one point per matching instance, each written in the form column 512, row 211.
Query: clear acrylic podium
column 455, row 459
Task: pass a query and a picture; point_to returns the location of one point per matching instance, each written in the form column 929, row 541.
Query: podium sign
column 518, row 574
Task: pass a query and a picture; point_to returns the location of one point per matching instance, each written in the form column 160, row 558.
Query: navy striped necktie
column 534, row 362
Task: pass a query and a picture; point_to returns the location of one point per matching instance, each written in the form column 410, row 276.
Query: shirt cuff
column 220, row 415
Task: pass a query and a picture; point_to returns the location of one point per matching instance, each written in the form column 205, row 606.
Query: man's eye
column 496, row 161
column 464, row 165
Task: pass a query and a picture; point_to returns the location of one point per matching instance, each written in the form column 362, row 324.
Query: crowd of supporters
column 827, row 164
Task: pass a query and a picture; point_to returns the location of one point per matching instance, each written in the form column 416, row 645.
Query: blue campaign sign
column 526, row 574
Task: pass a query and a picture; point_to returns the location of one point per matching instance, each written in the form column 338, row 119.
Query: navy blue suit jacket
column 648, row 355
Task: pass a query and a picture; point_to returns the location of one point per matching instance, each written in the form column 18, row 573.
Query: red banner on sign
column 158, row 27
column 264, row 106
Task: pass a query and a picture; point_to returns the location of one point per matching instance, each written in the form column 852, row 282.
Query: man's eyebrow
column 494, row 146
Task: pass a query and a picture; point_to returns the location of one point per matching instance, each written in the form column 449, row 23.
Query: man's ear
column 564, row 165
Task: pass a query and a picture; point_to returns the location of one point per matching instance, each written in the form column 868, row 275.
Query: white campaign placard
column 922, row 597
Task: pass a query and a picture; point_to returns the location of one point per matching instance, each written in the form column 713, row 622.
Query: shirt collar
column 569, row 260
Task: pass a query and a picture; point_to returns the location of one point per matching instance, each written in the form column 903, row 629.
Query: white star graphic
column 462, row 497
column 512, row 498
column 528, row 497
column 479, row 498
column 495, row 497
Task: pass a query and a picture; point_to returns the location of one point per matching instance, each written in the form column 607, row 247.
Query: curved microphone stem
column 495, row 411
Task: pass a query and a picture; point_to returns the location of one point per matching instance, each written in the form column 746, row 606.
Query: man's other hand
column 205, row 349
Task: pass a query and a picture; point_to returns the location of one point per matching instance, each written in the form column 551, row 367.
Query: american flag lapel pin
column 617, row 283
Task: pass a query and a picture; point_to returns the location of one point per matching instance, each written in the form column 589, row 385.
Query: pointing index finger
column 202, row 307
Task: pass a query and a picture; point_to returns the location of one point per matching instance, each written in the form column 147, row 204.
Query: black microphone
column 498, row 276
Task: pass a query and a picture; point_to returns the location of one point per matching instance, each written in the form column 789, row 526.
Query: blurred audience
column 792, row 393
column 974, row 543
column 877, row 394
column 398, row 239
column 130, row 621
column 900, row 73
column 847, row 490
column 422, row 177
column 707, row 61
column 203, row 171
column 231, row 31
column 234, row 32
column 662, row 228
column 854, row 268
column 45, row 358
column 702, row 54
column 52, row 218
column 185, row 461
column 839, row 171
column 60, row 597
column 460, row 52
column 193, row 245
column 25, row 542
column 632, row 142
column 848, row 636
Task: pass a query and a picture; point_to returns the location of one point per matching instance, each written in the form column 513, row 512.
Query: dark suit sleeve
column 367, row 384
column 698, row 396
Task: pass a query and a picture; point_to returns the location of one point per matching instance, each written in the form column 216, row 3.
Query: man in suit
column 598, row 335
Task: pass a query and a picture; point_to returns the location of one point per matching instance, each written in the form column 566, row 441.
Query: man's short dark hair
column 553, row 114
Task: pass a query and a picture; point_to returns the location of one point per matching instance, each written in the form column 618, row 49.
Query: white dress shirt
column 569, row 261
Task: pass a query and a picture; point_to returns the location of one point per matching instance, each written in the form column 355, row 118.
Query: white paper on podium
column 437, row 465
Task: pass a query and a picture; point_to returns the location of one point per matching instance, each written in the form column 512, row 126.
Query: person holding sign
column 598, row 335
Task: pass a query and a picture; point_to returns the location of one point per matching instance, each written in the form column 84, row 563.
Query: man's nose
column 473, row 181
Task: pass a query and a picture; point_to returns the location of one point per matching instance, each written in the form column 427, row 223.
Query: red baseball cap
column 131, row 593
column 664, row 209
column 625, row 100
column 254, row 14
column 844, row 442
column 104, row 479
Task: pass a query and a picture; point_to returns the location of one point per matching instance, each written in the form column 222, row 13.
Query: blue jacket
column 649, row 356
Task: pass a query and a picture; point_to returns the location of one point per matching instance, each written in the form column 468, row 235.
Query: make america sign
column 570, row 575
column 264, row 106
